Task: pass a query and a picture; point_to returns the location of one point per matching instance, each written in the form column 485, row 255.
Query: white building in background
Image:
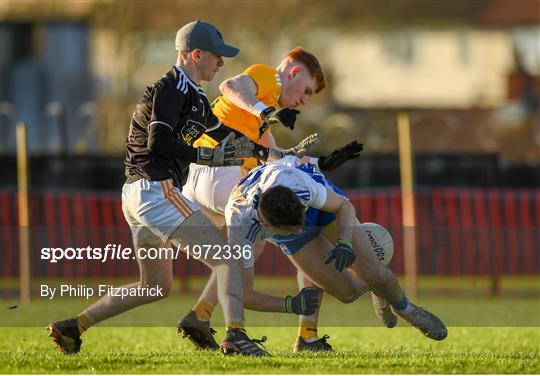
column 418, row 68
column 421, row 68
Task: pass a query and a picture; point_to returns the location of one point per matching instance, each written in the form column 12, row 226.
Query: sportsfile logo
column 117, row 252
column 109, row 252
column 377, row 248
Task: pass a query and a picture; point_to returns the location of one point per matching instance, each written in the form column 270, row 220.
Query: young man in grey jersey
column 170, row 116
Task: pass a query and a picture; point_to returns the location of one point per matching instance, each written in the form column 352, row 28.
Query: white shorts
column 211, row 187
column 154, row 209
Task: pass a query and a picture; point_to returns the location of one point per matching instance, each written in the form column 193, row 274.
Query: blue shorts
column 316, row 219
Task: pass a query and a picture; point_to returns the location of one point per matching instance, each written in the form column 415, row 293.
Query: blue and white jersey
column 243, row 221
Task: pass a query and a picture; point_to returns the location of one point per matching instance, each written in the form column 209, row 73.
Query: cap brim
column 226, row 50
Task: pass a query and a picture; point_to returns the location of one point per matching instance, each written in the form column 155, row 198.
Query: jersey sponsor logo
column 192, row 131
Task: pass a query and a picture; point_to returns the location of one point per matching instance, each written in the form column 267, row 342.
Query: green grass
column 470, row 310
column 358, row 350
column 455, row 311
column 486, row 335
column 468, row 285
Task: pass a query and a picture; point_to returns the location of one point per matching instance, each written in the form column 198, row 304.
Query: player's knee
column 163, row 284
column 166, row 289
column 235, row 295
column 346, row 296
column 378, row 277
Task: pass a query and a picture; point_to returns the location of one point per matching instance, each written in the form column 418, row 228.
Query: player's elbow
column 227, row 86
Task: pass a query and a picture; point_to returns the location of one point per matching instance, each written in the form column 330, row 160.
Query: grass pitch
column 358, row 350
column 486, row 335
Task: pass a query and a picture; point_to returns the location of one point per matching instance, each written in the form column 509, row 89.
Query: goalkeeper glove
column 269, row 154
column 226, row 153
column 305, row 303
column 283, row 116
column 340, row 156
column 343, row 255
column 301, row 149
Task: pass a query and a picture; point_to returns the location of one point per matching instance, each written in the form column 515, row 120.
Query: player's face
column 299, row 88
column 209, row 65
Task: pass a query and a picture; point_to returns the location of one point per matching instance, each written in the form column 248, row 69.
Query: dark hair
column 282, row 207
column 312, row 64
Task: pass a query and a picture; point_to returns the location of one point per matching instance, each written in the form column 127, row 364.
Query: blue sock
column 401, row 305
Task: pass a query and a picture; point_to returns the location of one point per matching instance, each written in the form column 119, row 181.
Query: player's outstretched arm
column 303, row 303
column 269, row 154
column 226, row 153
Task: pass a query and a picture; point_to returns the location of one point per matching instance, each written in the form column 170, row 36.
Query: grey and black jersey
column 176, row 102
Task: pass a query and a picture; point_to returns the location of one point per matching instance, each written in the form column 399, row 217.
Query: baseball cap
column 204, row 36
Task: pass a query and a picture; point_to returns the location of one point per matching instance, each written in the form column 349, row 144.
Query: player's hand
column 343, row 254
column 340, row 156
column 305, row 303
column 226, row 153
column 283, row 116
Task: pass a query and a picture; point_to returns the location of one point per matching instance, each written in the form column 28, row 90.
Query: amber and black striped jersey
column 181, row 106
